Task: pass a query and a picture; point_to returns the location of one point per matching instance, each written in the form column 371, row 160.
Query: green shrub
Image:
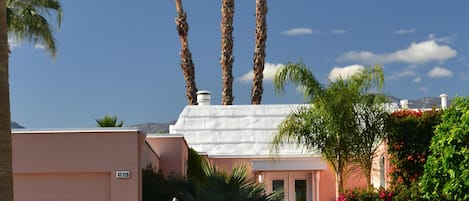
column 446, row 175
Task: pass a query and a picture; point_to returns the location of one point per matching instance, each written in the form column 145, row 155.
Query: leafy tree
column 20, row 19
column 109, row 121
column 226, row 59
column 259, row 52
column 446, row 173
column 187, row 65
column 331, row 124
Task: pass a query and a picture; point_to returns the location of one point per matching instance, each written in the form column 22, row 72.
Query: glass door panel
column 300, row 190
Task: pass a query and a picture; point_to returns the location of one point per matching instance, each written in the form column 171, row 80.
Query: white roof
column 234, row 130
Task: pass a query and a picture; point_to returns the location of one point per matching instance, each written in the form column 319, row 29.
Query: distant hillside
column 153, row 127
column 16, row 125
column 425, row 102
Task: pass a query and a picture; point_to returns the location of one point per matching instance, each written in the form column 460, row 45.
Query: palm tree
column 329, row 125
column 226, row 60
column 259, row 51
column 187, row 65
column 6, row 176
column 21, row 19
column 109, row 121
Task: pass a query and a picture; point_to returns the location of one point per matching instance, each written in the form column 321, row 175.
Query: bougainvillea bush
column 366, row 195
column 446, row 175
column 409, row 136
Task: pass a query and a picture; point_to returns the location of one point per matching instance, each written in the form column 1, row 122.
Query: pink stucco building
column 104, row 164
column 98, row 164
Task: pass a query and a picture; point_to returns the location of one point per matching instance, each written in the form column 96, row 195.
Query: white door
column 295, row 186
column 300, row 187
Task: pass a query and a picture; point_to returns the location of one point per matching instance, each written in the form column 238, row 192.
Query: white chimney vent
column 444, row 101
column 203, row 97
column 405, row 104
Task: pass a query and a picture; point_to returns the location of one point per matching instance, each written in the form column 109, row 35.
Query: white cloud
column 416, row 53
column 339, row 31
column 405, row 31
column 269, row 73
column 440, row 72
column 423, row 89
column 464, row 76
column 13, row 43
column 401, row 74
column 443, row 39
column 344, row 72
column 39, row 46
column 298, row 31
column 417, row 79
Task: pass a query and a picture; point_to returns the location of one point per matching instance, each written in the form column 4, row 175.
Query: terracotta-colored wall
column 173, row 153
column 76, row 153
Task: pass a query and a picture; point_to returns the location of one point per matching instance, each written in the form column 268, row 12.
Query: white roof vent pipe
column 405, row 104
column 444, row 101
column 203, row 97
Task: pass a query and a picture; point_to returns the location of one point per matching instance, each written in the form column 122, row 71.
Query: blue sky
column 121, row 58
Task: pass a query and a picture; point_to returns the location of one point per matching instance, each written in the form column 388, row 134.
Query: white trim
column 74, row 130
column 153, row 135
column 290, row 164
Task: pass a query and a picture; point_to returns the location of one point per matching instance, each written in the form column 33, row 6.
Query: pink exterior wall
column 149, row 157
column 173, row 153
column 76, row 165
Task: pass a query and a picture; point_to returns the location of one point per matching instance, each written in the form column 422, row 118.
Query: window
column 300, row 190
column 277, row 185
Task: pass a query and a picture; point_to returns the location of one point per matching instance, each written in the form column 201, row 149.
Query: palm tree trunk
column 187, row 65
column 6, row 174
column 226, row 60
column 259, row 52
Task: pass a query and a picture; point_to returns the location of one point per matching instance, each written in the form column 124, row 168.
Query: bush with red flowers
column 366, row 195
column 409, row 136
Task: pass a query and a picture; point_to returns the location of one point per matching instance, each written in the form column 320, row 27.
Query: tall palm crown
column 259, row 52
column 27, row 20
column 226, row 60
column 21, row 20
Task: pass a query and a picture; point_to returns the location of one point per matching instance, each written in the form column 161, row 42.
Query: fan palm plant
column 109, row 121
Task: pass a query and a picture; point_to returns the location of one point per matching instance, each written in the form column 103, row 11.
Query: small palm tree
column 109, row 121
column 330, row 124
